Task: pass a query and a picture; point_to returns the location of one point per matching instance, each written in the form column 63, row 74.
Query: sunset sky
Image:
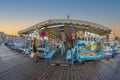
column 16, row 15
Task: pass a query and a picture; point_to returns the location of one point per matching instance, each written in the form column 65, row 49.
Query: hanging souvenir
column 39, row 31
column 36, row 33
column 49, row 35
column 42, row 34
column 72, row 28
column 73, row 35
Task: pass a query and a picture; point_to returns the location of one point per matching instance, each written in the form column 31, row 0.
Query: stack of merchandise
column 88, row 46
column 93, row 46
column 88, row 54
column 40, row 54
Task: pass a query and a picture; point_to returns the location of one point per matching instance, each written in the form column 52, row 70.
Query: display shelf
column 50, row 51
column 41, row 52
column 41, row 49
column 92, row 57
column 28, row 46
column 47, row 52
column 71, row 56
column 50, row 54
column 88, row 50
column 110, row 49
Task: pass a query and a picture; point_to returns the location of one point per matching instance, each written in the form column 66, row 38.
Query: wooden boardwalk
column 15, row 66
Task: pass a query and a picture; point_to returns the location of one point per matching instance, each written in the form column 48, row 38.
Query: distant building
column 4, row 36
column 10, row 37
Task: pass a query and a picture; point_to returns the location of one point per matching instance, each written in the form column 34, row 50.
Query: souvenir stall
column 41, row 44
column 86, row 47
column 54, row 43
column 77, row 40
column 29, row 38
column 48, row 48
column 90, row 49
column 109, row 50
column 28, row 45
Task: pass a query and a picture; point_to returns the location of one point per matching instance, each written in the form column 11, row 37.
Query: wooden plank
column 17, row 67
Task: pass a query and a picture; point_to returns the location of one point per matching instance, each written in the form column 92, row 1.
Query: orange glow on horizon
column 13, row 28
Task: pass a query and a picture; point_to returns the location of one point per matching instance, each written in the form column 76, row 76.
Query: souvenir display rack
column 89, row 50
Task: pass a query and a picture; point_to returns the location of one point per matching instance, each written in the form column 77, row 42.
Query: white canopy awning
column 78, row 24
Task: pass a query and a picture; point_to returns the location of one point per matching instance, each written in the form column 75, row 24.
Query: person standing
column 34, row 45
column 34, row 50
